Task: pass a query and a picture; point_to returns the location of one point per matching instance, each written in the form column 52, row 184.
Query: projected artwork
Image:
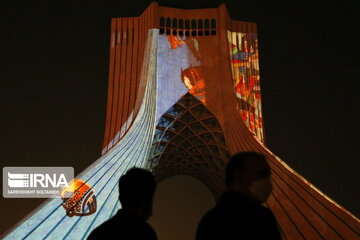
column 245, row 69
column 178, row 72
column 174, row 59
column 193, row 79
column 51, row 221
column 78, row 199
column 184, row 95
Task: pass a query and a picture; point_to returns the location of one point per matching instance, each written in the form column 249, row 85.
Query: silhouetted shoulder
column 124, row 225
column 235, row 217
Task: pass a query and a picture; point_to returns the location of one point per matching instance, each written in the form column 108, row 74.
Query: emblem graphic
column 78, row 199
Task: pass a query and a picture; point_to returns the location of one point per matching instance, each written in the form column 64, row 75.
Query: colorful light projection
column 244, row 57
column 181, row 56
column 52, row 221
column 79, row 199
column 193, row 79
column 169, row 70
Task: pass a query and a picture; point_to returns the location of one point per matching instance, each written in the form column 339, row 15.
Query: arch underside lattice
column 189, row 140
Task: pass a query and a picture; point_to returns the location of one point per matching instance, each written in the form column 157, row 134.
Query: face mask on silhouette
column 148, row 210
column 260, row 189
column 257, row 176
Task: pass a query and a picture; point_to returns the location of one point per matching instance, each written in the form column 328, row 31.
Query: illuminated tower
column 183, row 95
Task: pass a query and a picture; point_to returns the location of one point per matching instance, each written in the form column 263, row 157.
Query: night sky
column 54, row 73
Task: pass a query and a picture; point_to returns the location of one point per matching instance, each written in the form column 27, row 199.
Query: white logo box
column 35, row 182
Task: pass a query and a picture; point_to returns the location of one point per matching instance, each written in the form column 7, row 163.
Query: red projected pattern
column 245, row 69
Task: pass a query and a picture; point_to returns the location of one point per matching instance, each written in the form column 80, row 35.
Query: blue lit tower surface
column 183, row 95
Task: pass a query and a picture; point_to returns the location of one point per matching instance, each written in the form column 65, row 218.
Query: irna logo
column 36, row 182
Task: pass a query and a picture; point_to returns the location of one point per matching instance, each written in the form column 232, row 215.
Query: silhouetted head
column 249, row 173
column 136, row 191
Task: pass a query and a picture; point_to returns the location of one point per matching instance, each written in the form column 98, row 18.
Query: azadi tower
column 183, row 95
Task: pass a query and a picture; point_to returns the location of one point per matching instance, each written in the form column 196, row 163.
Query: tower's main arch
column 189, row 140
column 183, row 95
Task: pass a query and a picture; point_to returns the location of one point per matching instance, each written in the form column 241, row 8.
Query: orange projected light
column 78, row 199
column 193, row 79
column 174, row 41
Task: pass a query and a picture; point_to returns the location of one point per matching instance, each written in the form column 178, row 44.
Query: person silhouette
column 136, row 192
column 239, row 213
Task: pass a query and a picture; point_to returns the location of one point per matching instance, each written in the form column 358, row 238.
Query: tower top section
column 216, row 19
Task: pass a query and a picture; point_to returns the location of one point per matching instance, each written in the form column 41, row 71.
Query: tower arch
column 190, row 141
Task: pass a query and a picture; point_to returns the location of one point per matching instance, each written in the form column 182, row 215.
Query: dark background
column 54, row 73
